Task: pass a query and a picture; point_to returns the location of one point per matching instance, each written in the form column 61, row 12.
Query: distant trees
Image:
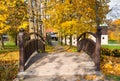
column 74, row 16
column 114, row 30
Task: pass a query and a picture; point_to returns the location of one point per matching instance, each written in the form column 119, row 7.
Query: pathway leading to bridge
column 61, row 66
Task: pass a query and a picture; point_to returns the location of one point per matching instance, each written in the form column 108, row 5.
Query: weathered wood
column 90, row 47
column 28, row 46
column 86, row 45
column 21, row 49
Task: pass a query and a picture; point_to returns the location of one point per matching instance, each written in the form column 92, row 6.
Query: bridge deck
column 62, row 66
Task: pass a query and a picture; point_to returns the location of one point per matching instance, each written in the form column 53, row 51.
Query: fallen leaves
column 9, row 65
column 111, row 65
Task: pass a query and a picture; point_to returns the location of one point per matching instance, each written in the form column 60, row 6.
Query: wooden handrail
column 28, row 47
column 91, row 47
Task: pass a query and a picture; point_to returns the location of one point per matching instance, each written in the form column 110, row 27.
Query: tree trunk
column 65, row 39
column 2, row 43
column 61, row 40
column 16, row 39
column 70, row 40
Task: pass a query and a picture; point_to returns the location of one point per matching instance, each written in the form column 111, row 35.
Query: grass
column 113, row 77
column 9, row 46
column 113, row 42
column 9, row 62
column 111, row 46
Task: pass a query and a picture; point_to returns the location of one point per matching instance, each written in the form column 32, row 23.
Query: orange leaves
column 12, row 13
column 110, row 68
column 9, row 66
column 9, row 56
column 70, row 26
column 116, row 22
column 63, row 13
column 111, row 65
column 114, row 33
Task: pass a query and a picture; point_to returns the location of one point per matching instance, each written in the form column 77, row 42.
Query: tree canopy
column 75, row 16
column 13, row 15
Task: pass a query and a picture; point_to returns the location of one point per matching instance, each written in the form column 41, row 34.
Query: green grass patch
column 9, row 46
column 111, row 46
column 113, row 77
column 113, row 42
column 9, row 61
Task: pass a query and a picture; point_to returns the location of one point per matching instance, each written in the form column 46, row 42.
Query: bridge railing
column 90, row 47
column 28, row 46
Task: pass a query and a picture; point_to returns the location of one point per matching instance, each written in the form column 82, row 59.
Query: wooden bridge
column 59, row 65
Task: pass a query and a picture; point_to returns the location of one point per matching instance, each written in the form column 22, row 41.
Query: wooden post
column 96, row 57
column 97, row 49
column 21, row 49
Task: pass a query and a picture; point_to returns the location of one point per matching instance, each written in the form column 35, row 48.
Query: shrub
column 9, row 66
column 8, row 70
column 109, row 52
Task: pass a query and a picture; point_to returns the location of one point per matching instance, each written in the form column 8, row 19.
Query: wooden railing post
column 97, row 49
column 21, row 49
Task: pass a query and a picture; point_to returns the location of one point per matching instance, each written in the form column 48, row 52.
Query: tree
column 114, row 30
column 13, row 15
column 81, row 13
column 17, row 17
column 3, row 23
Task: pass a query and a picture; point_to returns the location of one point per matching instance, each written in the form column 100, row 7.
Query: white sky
column 115, row 13
column 114, row 2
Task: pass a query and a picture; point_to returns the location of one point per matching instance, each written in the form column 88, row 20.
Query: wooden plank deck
column 62, row 66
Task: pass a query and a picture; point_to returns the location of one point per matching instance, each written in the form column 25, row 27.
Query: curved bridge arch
column 90, row 47
column 84, row 35
column 28, row 46
column 86, row 44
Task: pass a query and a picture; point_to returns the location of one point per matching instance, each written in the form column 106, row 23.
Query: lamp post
column 98, row 38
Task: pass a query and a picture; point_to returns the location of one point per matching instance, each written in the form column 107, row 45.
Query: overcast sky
column 115, row 13
column 114, row 2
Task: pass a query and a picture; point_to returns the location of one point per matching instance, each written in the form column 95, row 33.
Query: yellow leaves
column 23, row 25
column 116, row 22
column 114, row 33
column 3, row 28
column 3, row 17
column 114, row 36
column 90, row 77
column 109, row 68
column 76, row 16
column 89, row 9
column 9, row 56
column 9, row 65
column 12, row 15
column 111, row 65
column 69, row 27
column 117, row 68
column 108, row 65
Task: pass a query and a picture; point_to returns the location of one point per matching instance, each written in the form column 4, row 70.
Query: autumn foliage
column 74, row 16
column 114, row 29
column 13, row 15
column 9, row 65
